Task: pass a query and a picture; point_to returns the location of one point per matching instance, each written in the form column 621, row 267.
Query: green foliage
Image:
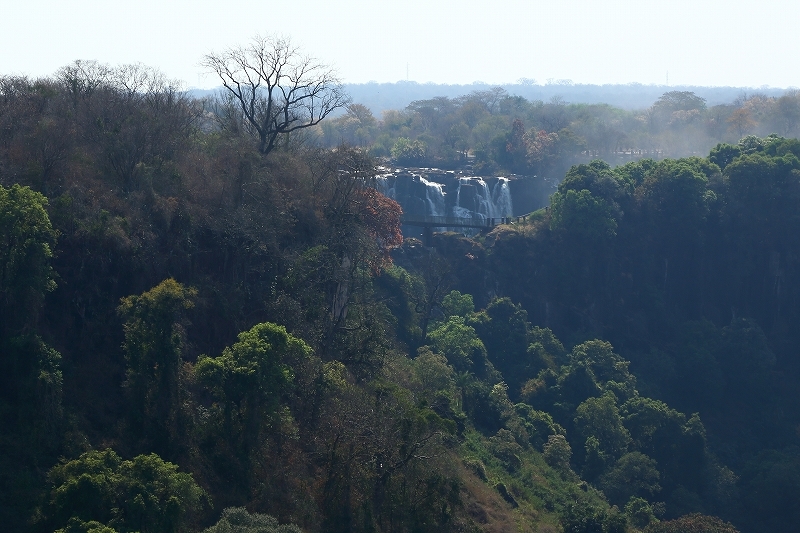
column 385, row 459
column 457, row 304
column 593, row 368
column 503, row 327
column 434, row 374
column 539, row 359
column 674, row 198
column 460, row 344
column 779, row 146
column 557, row 453
column 692, row 523
column 405, row 294
column 581, row 215
column 621, row 446
column 680, row 101
column 544, row 339
column 238, row 520
column 505, row 447
column 723, row 154
column 590, row 519
column 675, row 443
column 607, row 368
column 77, row 525
column 633, row 475
column 750, row 144
column 649, row 420
column 596, row 460
column 408, row 151
column 27, row 239
column 37, row 381
column 31, row 384
column 142, row 494
column 763, row 191
column 479, row 404
column 538, row 425
column 154, row 345
column 597, row 177
column 153, row 327
column 250, row 377
column 639, row 512
column 634, row 173
column 600, row 418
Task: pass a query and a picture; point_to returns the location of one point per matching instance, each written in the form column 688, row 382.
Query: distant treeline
column 379, row 97
column 543, row 130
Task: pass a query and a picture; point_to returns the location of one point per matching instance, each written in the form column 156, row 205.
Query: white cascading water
column 483, row 198
column 434, row 193
column 501, row 199
column 458, row 210
column 383, row 186
column 434, row 197
column 488, row 203
column 478, row 201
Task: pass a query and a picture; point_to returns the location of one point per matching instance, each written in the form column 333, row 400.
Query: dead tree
column 276, row 88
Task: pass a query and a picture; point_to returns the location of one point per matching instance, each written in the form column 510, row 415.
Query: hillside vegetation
column 199, row 333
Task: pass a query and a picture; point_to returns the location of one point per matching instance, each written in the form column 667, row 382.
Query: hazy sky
column 694, row 42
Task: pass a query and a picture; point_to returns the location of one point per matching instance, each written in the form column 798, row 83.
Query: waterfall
column 434, row 197
column 501, row 199
column 385, row 185
column 458, row 210
column 483, row 201
column 445, row 194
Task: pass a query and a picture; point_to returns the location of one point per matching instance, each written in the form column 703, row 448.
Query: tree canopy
column 186, row 305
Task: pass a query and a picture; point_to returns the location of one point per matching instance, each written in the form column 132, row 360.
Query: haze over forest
column 379, row 97
column 214, row 316
column 681, row 43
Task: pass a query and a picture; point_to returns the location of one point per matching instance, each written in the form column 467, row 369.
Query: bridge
column 429, row 222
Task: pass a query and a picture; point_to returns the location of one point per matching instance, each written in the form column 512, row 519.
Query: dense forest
column 210, row 320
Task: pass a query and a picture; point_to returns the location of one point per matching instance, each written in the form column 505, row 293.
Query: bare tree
column 82, row 78
column 277, row 89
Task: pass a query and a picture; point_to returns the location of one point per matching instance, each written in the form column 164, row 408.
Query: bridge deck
column 429, row 221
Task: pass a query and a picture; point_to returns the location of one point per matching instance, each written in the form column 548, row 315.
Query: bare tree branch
column 277, row 89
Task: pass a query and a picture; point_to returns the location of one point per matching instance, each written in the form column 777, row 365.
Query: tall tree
column 30, row 384
column 99, row 488
column 276, row 87
column 154, row 345
column 26, row 241
column 249, row 378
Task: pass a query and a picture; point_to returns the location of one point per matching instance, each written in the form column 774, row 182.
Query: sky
column 676, row 42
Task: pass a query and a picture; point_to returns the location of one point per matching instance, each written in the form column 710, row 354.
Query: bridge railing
column 430, row 221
